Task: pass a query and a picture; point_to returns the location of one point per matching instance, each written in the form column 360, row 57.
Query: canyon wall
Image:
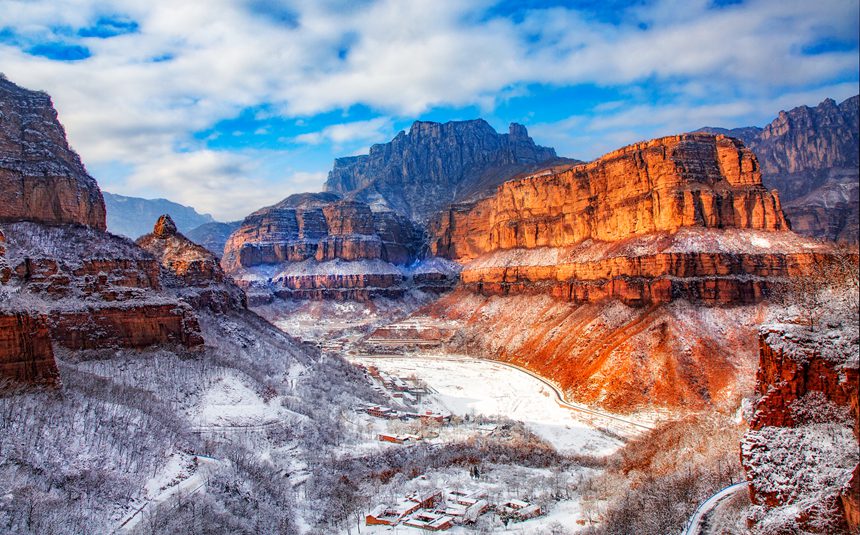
column 801, row 453
column 663, row 185
column 677, row 217
column 26, row 354
column 317, row 246
column 41, row 177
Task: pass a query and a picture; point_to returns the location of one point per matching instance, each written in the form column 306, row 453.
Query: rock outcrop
column 678, row 217
column 421, row 171
column 194, row 264
column 95, row 289
column 41, row 177
column 801, row 453
column 26, row 354
column 317, row 245
column 189, row 269
column 812, row 157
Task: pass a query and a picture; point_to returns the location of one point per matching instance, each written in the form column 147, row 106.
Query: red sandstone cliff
column 595, row 276
column 801, row 453
column 96, row 289
column 677, row 217
column 41, row 177
column 691, row 180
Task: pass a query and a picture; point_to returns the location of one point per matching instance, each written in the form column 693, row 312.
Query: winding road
column 699, row 518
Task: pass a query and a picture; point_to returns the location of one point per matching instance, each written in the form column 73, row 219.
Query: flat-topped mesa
column 41, row 178
column 318, row 244
column 678, row 217
column 690, row 180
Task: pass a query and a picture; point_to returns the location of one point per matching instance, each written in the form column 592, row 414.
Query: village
column 435, row 506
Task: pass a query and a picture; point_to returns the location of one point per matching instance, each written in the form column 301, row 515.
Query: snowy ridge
column 686, row 240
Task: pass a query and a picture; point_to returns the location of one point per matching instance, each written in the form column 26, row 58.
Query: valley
column 462, row 333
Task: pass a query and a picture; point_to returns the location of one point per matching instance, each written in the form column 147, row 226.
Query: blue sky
column 229, row 105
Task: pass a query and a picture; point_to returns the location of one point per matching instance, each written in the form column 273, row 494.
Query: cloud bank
column 135, row 82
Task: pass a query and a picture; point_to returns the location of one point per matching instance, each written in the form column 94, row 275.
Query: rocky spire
column 164, row 227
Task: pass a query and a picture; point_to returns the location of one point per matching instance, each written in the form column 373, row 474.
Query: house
column 474, row 511
column 430, row 521
column 520, row 510
column 384, row 515
column 396, row 439
column 435, row 417
column 382, row 412
column 426, row 499
column 466, row 499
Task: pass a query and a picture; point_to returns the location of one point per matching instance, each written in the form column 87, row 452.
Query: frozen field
column 469, row 386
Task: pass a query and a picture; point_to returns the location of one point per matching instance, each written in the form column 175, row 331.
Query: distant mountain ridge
column 133, row 216
column 812, row 157
column 420, row 172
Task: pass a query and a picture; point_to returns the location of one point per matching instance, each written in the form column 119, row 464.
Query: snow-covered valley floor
column 465, row 385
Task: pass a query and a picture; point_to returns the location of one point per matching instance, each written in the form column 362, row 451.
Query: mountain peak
column 420, row 172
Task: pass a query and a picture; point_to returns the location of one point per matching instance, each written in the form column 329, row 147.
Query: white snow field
column 469, row 386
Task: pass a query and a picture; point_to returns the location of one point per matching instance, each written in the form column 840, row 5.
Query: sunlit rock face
column 41, row 177
column 801, row 453
column 677, row 217
column 423, row 170
column 191, row 270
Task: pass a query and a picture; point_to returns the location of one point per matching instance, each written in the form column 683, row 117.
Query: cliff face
column 801, row 453
column 679, row 217
column 661, row 185
column 95, row 289
column 318, row 246
column 420, row 172
column 41, row 177
column 26, row 354
column 811, row 156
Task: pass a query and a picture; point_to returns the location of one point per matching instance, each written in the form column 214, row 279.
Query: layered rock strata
column 96, row 289
column 318, row 246
column 26, row 354
column 801, row 453
column 41, row 177
column 421, row 171
column 683, row 216
column 189, row 269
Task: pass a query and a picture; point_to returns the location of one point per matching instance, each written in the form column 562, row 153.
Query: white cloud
column 401, row 59
column 589, row 135
column 373, row 130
